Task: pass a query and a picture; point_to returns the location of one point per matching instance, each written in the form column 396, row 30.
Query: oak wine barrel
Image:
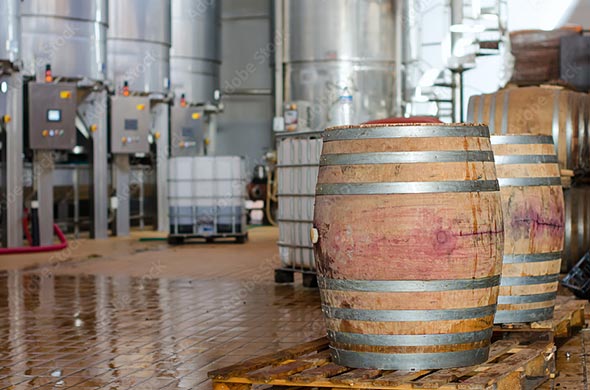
column 533, row 207
column 551, row 111
column 408, row 243
column 565, row 116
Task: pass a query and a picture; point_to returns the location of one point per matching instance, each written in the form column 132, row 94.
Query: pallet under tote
column 512, row 366
column 287, row 275
column 179, row 239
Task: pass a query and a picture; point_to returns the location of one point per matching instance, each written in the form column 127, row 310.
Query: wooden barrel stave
column 533, row 206
column 384, row 204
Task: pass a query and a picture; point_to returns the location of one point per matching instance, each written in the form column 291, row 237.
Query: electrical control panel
column 187, row 131
column 52, row 116
column 130, row 124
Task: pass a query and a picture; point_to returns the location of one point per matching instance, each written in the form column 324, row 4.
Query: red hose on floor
column 37, row 249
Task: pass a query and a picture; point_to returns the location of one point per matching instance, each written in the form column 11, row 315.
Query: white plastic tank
column 299, row 160
column 206, row 195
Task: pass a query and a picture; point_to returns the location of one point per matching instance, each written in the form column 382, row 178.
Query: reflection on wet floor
column 99, row 332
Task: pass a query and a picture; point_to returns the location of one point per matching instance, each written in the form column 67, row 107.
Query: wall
column 245, row 127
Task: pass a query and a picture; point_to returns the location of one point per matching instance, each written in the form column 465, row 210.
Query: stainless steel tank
column 339, row 47
column 138, row 45
column 411, row 50
column 10, row 32
column 195, row 57
column 68, row 34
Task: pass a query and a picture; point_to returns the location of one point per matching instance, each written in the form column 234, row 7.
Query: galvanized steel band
column 527, row 159
column 531, row 257
column 409, row 340
column 529, row 315
column 406, row 157
column 422, row 131
column 529, row 181
column 292, row 220
column 410, row 361
column 308, row 165
column 421, row 187
column 407, row 285
column 528, row 280
column 407, row 315
column 520, row 299
column 521, row 139
column 296, row 195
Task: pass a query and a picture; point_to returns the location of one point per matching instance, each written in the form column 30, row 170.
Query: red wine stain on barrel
column 444, row 242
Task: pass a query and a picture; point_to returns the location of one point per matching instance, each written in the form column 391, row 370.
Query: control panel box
column 130, row 124
column 187, row 131
column 52, row 116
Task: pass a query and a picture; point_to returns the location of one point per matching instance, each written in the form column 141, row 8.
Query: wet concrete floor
column 136, row 321
column 124, row 314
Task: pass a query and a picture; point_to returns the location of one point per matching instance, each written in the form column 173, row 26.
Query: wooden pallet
column 511, row 366
column 567, row 318
column 179, row 239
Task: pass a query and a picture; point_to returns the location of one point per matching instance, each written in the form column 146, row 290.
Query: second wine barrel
column 409, row 240
column 551, row 111
column 533, row 206
column 564, row 115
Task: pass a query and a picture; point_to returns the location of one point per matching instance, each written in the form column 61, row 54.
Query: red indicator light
column 48, row 74
column 126, row 89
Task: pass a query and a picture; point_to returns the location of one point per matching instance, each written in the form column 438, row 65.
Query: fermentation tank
column 139, row 40
column 71, row 37
column 10, row 34
column 68, row 34
column 336, row 48
column 195, row 57
column 11, row 212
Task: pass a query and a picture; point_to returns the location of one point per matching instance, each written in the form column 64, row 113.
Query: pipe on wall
column 457, row 84
column 278, row 46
